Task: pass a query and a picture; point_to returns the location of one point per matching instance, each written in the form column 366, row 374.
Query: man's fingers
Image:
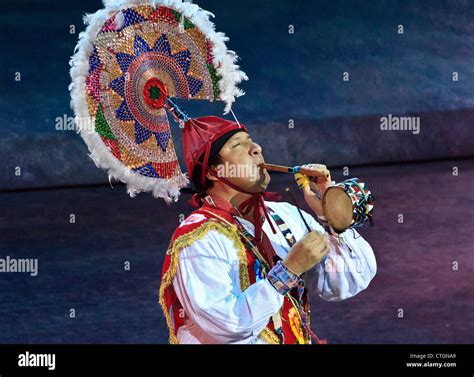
column 323, row 246
column 316, row 167
column 316, row 238
column 320, row 169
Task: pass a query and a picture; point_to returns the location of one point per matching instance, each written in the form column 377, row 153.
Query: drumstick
column 293, row 170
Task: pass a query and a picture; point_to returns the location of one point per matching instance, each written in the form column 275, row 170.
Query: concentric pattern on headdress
column 142, row 55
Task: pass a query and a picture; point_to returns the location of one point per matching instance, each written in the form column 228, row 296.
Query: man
column 234, row 269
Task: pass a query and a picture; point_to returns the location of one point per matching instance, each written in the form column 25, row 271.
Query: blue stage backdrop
column 297, row 104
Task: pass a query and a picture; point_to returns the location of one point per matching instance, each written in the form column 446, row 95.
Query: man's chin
column 263, row 183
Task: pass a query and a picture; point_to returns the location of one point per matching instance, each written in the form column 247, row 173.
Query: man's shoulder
column 203, row 234
column 193, row 218
column 199, row 218
column 192, row 221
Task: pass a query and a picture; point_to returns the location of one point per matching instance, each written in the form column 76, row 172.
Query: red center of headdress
column 155, row 93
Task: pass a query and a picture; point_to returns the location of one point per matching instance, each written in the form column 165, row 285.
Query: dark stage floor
column 81, row 265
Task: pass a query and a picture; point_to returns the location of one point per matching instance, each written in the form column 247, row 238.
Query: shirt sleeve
column 207, row 285
column 349, row 266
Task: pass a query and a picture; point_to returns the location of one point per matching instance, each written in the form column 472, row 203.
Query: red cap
column 198, row 136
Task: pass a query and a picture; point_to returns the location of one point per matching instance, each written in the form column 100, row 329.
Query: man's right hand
column 307, row 252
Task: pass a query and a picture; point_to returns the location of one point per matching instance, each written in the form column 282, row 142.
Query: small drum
column 348, row 204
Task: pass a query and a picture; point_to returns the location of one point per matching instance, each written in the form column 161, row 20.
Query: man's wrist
column 282, row 279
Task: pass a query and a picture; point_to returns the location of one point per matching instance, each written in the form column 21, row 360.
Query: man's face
column 240, row 157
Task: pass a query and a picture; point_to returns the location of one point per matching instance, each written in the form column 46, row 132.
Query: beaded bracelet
column 282, row 279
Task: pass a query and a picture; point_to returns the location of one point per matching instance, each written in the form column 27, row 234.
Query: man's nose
column 256, row 149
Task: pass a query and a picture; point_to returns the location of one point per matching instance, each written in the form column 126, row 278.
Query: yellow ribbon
column 302, row 180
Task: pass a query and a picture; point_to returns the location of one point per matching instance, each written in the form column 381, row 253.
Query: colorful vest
column 206, row 218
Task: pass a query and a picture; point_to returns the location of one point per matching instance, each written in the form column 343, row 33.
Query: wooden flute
column 293, row 170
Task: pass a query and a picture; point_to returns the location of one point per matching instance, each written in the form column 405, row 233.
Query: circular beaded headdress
column 132, row 59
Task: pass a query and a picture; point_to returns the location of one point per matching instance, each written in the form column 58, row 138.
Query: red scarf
column 255, row 202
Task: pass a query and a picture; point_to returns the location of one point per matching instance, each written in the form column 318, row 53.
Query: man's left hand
column 314, row 187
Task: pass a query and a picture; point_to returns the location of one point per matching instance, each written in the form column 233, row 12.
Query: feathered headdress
column 134, row 57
